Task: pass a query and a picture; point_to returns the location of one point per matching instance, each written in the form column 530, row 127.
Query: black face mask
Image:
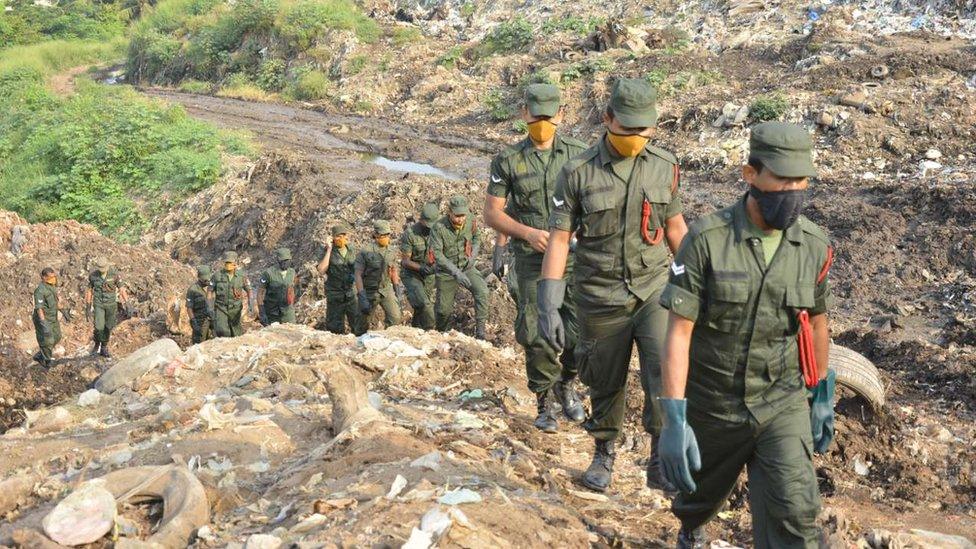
column 284, row 264
column 779, row 209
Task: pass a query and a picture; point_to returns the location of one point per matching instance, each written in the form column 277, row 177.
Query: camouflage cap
column 459, row 205
column 102, row 264
column 381, row 227
column 542, row 99
column 633, row 101
column 230, row 256
column 430, row 212
column 341, row 228
column 283, row 253
column 204, row 271
column 783, row 148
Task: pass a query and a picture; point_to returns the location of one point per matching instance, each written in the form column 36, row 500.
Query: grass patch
column 53, row 56
column 507, row 37
column 401, row 36
column 499, row 106
column 573, row 24
column 247, row 92
column 768, row 107
column 451, row 58
column 356, row 64
column 587, row 67
column 309, row 86
column 195, row 86
column 24, row 22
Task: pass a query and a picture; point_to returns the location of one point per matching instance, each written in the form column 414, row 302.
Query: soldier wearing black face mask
column 276, row 293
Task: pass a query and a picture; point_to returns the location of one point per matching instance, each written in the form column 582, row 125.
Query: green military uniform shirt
column 527, row 177
column 105, row 288
column 743, row 358
column 340, row 274
column 454, row 246
column 276, row 284
column 375, row 264
column 196, row 300
column 413, row 246
column 230, row 291
column 46, row 301
column 600, row 197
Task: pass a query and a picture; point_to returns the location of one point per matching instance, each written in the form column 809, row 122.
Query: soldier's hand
column 498, row 261
column 677, row 446
column 426, row 270
column 45, row 329
column 538, row 239
column 463, row 279
column 822, row 413
column 364, row 304
column 551, row 292
column 262, row 316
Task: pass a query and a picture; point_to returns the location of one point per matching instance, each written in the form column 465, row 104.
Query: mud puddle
column 407, row 166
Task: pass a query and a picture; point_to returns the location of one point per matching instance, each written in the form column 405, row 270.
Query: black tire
column 857, row 373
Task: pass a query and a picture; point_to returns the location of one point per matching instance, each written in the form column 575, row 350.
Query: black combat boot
column 655, row 474
column 96, row 348
column 569, row 399
column 545, row 421
column 39, row 358
column 600, row 472
column 693, row 539
column 104, row 351
column 479, row 330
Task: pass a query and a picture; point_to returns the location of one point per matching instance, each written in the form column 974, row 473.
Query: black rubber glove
column 499, row 260
column 263, row 315
column 551, row 292
column 822, row 412
column 677, row 446
column 364, row 304
column 426, row 270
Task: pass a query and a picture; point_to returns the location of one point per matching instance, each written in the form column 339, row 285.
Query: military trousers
column 606, row 342
column 280, row 313
column 420, row 294
column 543, row 366
column 46, row 344
column 227, row 320
column 341, row 307
column 783, row 492
column 106, row 317
column 447, row 287
column 202, row 329
column 383, row 300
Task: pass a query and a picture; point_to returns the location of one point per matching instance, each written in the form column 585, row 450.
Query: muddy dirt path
column 345, row 142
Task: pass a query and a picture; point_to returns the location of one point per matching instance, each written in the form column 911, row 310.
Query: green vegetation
column 27, row 23
column 196, row 86
column 104, row 155
column 402, row 36
column 573, row 24
column 356, row 64
column 668, row 85
column 498, row 105
column 519, row 126
column 507, row 37
column 451, row 57
column 309, row 86
column 587, row 67
column 768, row 107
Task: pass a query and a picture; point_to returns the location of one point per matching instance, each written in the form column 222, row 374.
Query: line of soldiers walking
column 731, row 335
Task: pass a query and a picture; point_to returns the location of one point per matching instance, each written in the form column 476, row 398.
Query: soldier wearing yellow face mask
column 518, row 204
column 620, row 197
column 377, row 277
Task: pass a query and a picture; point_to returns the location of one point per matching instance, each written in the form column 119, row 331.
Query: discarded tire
column 858, row 374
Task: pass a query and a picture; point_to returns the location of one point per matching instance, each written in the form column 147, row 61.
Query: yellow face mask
column 230, row 267
column 457, row 222
column 627, row 145
column 340, row 241
column 383, row 240
column 541, row 131
column 51, row 280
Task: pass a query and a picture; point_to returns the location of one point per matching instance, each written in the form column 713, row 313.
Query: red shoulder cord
column 647, row 209
column 808, row 358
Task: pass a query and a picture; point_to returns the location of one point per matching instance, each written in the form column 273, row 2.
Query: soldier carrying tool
column 454, row 243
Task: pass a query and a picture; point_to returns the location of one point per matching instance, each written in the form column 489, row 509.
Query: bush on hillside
column 309, row 86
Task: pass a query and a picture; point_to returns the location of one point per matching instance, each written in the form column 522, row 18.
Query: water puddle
column 408, row 166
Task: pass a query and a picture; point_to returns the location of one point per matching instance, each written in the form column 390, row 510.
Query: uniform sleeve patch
column 677, row 269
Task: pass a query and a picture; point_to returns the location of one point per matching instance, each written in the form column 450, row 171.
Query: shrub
column 498, row 106
column 572, row 23
column 306, row 20
column 356, row 64
column 507, row 37
column 768, row 107
column 310, row 86
column 195, row 86
column 451, row 57
column 271, row 75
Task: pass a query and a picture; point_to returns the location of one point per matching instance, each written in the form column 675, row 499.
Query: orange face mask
column 627, row 145
column 383, row 240
column 339, row 241
column 457, row 223
column 541, row 131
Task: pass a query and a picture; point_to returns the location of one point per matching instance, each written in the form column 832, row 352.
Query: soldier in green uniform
column 102, row 298
column 276, row 294
column 454, row 241
column 417, row 267
column 746, row 285
column 199, row 305
column 377, row 279
column 47, row 328
column 621, row 198
column 338, row 266
column 518, row 204
column 231, row 289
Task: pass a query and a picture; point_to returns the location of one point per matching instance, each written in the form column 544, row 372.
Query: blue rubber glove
column 551, row 292
column 677, row 446
column 822, row 413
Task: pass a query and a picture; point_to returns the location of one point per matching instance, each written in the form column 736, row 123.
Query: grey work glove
column 677, row 445
column 364, row 304
column 459, row 275
column 426, row 270
column 45, row 329
column 551, row 292
column 499, row 260
column 210, row 308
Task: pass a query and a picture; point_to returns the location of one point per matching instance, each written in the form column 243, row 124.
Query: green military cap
column 783, row 148
column 459, row 205
column 204, row 271
column 633, row 102
column 102, row 263
column 381, row 226
column 430, row 212
column 230, row 256
column 542, row 99
column 283, row 253
column 341, row 228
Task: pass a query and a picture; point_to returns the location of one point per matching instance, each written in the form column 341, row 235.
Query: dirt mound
column 70, row 248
